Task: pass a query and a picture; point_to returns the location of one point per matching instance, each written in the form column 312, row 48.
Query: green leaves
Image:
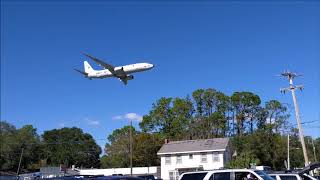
column 12, row 141
column 254, row 128
column 244, row 105
column 169, row 117
column 70, row 146
column 145, row 147
column 208, row 113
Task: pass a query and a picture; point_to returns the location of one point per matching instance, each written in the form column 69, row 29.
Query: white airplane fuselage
column 128, row 69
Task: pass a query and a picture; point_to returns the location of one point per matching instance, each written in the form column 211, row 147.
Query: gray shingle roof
column 194, row 146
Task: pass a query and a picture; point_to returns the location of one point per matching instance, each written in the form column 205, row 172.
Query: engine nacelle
column 130, row 77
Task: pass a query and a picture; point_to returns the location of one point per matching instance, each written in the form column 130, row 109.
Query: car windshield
column 264, row 175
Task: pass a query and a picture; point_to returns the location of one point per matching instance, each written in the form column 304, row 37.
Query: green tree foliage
column 245, row 106
column 146, row 148
column 70, row 146
column 243, row 160
column 169, row 117
column 316, row 156
column 206, row 115
column 117, row 151
column 256, row 129
column 212, row 114
column 12, row 141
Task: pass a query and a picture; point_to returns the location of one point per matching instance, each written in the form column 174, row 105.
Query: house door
column 173, row 175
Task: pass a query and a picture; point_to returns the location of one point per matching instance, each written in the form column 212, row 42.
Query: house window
column 215, row 157
column 167, row 160
column 190, row 156
column 179, row 159
column 204, row 158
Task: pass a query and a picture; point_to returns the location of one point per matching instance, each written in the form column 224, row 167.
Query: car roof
column 233, row 170
column 119, row 177
column 222, row 170
column 195, row 172
column 283, row 174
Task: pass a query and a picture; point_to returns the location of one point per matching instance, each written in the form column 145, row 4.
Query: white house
column 192, row 155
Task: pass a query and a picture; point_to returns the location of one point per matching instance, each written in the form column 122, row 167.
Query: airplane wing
column 120, row 73
column 101, row 63
column 124, row 80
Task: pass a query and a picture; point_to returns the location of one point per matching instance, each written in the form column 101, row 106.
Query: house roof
column 201, row 145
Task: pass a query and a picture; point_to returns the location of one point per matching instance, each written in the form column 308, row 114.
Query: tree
column 13, row 141
column 245, row 105
column 270, row 119
column 70, row 146
column 145, row 148
column 29, row 140
column 276, row 114
column 243, row 160
column 296, row 154
column 8, row 148
column 198, row 96
column 317, row 148
column 169, row 117
column 212, row 115
column 117, row 150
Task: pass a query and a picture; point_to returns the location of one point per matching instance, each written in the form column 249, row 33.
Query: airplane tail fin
column 87, row 67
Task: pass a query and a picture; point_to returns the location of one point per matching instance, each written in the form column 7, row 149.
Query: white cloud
column 92, row 122
column 128, row 116
column 117, row 117
column 133, row 116
column 62, row 125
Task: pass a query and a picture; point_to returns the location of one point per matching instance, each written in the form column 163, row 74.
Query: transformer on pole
column 292, row 88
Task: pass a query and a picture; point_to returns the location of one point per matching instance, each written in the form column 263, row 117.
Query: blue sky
column 230, row 46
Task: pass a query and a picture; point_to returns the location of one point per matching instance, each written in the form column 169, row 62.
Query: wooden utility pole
column 288, row 160
column 20, row 162
column 314, row 151
column 131, row 150
column 292, row 88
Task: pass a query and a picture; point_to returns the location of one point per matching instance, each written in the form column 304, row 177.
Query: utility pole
column 131, row 154
column 20, row 162
column 314, row 151
column 288, row 160
column 292, row 88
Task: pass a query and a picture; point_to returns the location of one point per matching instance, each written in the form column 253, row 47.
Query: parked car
column 95, row 177
column 117, row 178
column 264, row 168
column 299, row 175
column 147, row 177
column 226, row 174
column 292, row 176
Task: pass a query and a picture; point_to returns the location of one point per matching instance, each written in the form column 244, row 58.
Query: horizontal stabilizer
column 84, row 73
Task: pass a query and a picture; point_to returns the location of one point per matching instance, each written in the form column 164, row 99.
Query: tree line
column 258, row 132
column 65, row 146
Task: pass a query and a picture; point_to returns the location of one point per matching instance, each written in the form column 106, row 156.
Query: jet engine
column 130, row 77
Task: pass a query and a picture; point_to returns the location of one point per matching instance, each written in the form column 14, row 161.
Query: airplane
column 123, row 73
